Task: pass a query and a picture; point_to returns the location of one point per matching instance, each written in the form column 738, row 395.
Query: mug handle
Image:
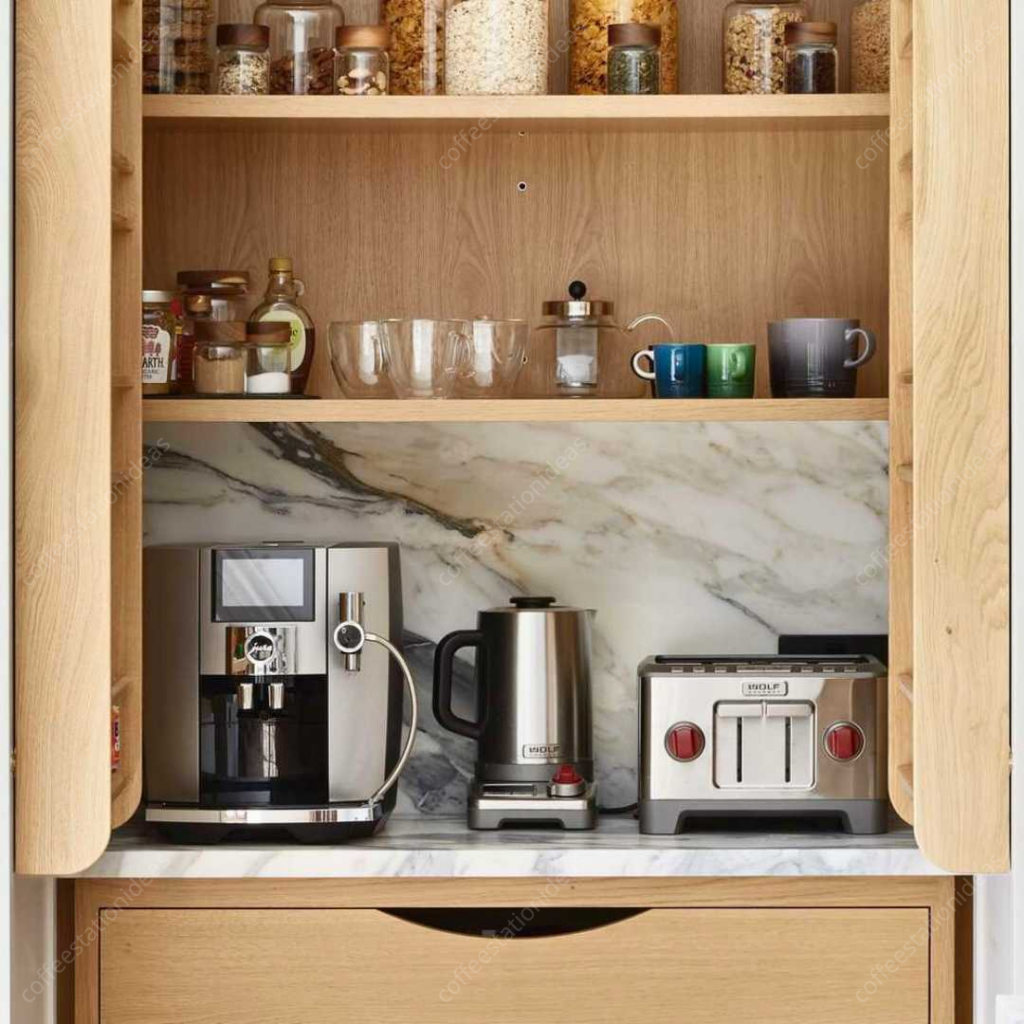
column 638, row 370
column 645, row 318
column 869, row 347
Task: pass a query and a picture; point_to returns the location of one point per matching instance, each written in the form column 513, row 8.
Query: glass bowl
column 358, row 359
column 495, row 354
column 426, row 357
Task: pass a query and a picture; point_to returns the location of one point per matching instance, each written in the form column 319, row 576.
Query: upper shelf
column 517, row 113
column 529, row 410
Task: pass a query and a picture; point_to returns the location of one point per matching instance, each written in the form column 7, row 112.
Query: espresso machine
column 535, row 764
column 273, row 689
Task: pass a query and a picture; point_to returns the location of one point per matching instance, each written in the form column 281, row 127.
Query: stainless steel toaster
column 763, row 736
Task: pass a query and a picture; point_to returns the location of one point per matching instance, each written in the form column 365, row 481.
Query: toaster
column 763, row 736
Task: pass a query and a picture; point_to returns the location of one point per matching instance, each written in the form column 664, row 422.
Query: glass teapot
column 584, row 333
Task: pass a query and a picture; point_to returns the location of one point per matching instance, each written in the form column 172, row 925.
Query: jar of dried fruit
column 301, row 45
column 754, row 44
column 588, row 57
column 869, row 46
column 416, row 28
column 496, row 48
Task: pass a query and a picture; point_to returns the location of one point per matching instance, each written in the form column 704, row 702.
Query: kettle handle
column 444, row 657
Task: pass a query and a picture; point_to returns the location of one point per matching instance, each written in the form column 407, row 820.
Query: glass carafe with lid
column 585, row 336
column 301, row 45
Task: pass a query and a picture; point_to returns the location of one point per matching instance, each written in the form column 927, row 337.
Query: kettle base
column 528, row 805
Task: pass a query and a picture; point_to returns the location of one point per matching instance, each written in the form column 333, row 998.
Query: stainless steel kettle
column 533, row 689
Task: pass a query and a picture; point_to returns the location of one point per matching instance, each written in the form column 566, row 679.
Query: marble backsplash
column 686, row 538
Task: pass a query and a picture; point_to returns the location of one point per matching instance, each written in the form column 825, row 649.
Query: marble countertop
column 445, row 848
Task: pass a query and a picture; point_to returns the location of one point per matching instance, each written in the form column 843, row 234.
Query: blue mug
column 678, row 370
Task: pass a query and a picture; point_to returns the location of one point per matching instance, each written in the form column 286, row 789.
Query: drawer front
column 365, row 967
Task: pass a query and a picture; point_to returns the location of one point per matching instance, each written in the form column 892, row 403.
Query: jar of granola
column 301, row 45
column 869, row 46
column 588, row 58
column 754, row 44
column 416, row 30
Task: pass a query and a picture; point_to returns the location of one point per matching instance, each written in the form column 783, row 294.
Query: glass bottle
column 812, row 59
column 301, row 45
column 633, row 64
column 177, row 46
column 361, row 60
column 416, row 30
column 243, row 60
column 159, row 337
column 753, row 44
column 496, row 48
column 279, row 305
column 869, row 46
column 588, row 55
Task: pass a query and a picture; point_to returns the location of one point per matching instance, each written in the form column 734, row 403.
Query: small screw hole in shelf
column 522, row 186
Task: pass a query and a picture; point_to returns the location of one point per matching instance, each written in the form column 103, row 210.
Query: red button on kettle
column 685, row 741
column 844, row 741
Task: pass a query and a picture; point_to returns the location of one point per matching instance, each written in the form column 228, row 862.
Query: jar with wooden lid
column 195, row 307
column 219, row 358
column 416, row 33
column 243, row 60
column 588, row 55
column 268, row 358
column 812, row 59
column 159, row 341
column 753, row 44
column 869, row 46
column 301, row 45
column 633, row 65
column 228, row 290
column 361, row 65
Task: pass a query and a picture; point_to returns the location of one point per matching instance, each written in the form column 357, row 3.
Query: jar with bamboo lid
column 361, row 65
column 812, row 59
column 219, row 357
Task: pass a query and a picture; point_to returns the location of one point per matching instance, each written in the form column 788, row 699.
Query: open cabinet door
column 960, row 476
column 71, row 433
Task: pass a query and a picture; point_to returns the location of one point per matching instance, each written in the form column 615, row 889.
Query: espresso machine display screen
column 254, row 585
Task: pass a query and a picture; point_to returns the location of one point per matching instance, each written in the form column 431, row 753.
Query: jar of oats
column 869, row 46
column 754, row 44
column 496, row 48
column 416, row 29
column 588, row 58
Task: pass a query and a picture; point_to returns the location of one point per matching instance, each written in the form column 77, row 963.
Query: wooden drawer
column 706, row 966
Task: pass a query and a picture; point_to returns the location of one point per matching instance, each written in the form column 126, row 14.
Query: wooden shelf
column 594, row 410
column 518, row 113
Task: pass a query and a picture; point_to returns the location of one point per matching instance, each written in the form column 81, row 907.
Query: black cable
column 625, row 809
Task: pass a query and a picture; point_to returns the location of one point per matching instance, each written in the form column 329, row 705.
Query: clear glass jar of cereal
column 754, row 44
column 416, row 29
column 869, row 46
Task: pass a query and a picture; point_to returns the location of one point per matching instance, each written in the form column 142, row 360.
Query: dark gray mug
column 816, row 357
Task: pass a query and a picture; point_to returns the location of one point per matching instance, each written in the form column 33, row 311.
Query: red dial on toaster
column 685, row 741
column 844, row 741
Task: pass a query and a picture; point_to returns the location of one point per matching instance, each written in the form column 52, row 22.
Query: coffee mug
column 816, row 357
column 731, row 371
column 678, row 370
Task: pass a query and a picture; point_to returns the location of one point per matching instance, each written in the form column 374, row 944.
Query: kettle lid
column 529, row 603
column 526, row 603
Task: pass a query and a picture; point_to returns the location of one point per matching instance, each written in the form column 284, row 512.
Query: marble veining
column 686, row 538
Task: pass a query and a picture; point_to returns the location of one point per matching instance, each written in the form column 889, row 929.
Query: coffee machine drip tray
column 501, row 804
column 333, row 823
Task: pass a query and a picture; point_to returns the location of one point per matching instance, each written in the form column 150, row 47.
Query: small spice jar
column 812, row 60
column 243, row 60
column 869, row 46
column 196, row 307
column 219, row 357
column 361, row 65
column 753, row 44
column 159, row 341
column 634, row 67
column 228, row 290
column 268, row 358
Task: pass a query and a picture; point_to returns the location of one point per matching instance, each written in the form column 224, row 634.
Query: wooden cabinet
column 721, row 211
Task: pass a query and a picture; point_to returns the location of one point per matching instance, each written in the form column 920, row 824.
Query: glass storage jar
column 633, row 65
column 416, row 30
column 177, row 46
column 869, row 46
column 159, row 341
column 228, row 291
column 361, row 60
column 268, row 358
column 753, row 44
column 219, row 358
column 588, row 55
column 243, row 60
column 812, row 59
column 196, row 308
column 496, row 48
column 301, row 45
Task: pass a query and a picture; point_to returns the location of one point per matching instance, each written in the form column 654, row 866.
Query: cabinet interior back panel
column 719, row 231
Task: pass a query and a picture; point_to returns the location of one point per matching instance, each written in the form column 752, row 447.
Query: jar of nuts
column 754, row 44
column 869, row 46
column 301, row 45
column 416, row 28
column 361, row 60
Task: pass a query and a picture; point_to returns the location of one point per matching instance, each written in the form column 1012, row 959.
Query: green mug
column 730, row 371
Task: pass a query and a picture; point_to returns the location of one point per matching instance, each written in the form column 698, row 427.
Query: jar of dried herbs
column 243, row 60
column 416, row 29
column 812, row 60
column 754, row 44
column 633, row 63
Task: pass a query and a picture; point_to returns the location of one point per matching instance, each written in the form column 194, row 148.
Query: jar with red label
column 159, row 342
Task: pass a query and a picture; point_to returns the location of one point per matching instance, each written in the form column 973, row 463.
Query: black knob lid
column 532, row 602
column 577, row 289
